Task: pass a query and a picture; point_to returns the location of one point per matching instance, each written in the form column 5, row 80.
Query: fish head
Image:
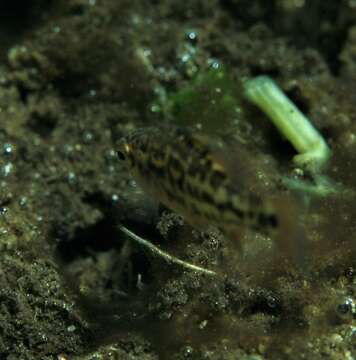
column 125, row 152
column 132, row 148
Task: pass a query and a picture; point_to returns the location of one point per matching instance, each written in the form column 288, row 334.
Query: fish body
column 186, row 171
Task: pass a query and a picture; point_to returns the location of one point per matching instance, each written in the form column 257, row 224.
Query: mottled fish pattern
column 186, row 172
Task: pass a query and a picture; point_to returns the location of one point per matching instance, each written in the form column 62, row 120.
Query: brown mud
column 74, row 77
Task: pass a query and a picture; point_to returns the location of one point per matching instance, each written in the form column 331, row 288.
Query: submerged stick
column 158, row 252
column 290, row 121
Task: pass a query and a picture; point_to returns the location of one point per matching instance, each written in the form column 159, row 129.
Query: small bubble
column 136, row 19
column 71, row 328
column 161, row 71
column 192, row 36
column 350, row 272
column 71, row 177
column 56, row 29
column 111, row 169
column 7, row 169
column 203, row 324
column 188, row 351
column 185, row 57
column 68, row 148
column 147, row 52
column 272, row 302
column 3, row 80
column 110, row 155
column 298, row 173
column 114, row 198
column 8, row 149
column 44, row 337
column 23, row 201
column 155, row 108
column 214, row 63
column 88, row 136
column 132, row 183
column 346, row 308
column 3, row 210
column 237, row 109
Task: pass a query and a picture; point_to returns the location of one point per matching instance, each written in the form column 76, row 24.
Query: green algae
column 211, row 100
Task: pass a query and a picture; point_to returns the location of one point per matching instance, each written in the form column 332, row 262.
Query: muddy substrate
column 74, row 77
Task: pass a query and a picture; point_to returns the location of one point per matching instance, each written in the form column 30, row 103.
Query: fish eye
column 122, row 149
column 121, row 155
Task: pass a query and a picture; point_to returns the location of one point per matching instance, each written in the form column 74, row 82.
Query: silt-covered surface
column 75, row 76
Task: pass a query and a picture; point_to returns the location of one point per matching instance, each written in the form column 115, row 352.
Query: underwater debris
column 291, row 122
column 169, row 258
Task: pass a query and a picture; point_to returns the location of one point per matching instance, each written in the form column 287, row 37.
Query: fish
column 198, row 177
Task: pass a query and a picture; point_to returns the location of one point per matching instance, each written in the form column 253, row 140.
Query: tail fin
column 289, row 235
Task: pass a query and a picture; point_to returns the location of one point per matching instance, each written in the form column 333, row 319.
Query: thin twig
column 169, row 258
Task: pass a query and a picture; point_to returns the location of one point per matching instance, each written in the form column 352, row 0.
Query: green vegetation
column 211, row 100
column 290, row 121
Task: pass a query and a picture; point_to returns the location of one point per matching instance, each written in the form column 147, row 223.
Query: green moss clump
column 211, row 99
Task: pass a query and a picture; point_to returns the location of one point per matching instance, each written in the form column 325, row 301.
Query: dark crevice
column 74, row 85
column 99, row 237
column 18, row 17
column 42, row 126
column 264, row 305
column 280, row 147
column 23, row 92
column 250, row 12
column 257, row 71
column 298, row 99
column 105, row 235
